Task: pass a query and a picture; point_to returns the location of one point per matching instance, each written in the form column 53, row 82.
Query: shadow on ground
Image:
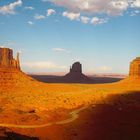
column 116, row 119
column 63, row 79
column 4, row 135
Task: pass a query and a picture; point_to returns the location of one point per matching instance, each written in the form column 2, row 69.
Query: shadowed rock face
column 135, row 68
column 7, row 60
column 75, row 75
column 76, row 68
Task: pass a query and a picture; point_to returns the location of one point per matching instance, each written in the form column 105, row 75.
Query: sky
column 104, row 35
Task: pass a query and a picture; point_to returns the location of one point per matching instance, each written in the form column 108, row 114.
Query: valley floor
column 112, row 110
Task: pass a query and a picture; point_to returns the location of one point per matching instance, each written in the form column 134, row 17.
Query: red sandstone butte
column 7, row 60
column 135, row 68
column 10, row 72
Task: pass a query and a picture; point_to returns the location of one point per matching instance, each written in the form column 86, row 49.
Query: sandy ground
column 112, row 110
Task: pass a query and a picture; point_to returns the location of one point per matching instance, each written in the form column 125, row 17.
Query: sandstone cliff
column 10, row 72
column 7, row 60
column 135, row 68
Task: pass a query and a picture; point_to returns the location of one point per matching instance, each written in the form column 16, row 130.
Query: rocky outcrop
column 135, row 68
column 76, row 68
column 7, row 60
column 10, row 72
column 75, row 75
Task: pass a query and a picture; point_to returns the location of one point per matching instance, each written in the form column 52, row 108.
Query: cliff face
column 135, row 68
column 7, row 60
column 10, row 73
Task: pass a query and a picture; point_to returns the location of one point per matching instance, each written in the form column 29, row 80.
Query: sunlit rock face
column 135, row 68
column 10, row 73
column 7, row 60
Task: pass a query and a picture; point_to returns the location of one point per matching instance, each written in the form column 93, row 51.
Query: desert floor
column 72, row 111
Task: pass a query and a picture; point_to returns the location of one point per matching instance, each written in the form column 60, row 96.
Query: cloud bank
column 109, row 7
column 96, row 11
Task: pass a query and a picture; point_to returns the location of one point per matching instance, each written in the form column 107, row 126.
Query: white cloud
column 10, row 8
column 30, row 22
column 39, row 17
column 42, row 65
column 85, row 19
column 60, row 50
column 2, row 46
column 109, row 7
column 136, row 4
column 96, row 20
column 71, row 15
column 120, row 4
column 50, row 12
column 29, row 8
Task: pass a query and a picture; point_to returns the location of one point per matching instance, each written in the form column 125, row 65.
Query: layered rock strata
column 135, row 68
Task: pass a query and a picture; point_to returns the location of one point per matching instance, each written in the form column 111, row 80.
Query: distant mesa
column 135, row 68
column 75, row 75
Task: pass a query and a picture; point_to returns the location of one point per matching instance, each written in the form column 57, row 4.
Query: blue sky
column 52, row 34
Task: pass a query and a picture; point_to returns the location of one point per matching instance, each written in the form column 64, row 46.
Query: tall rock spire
column 18, row 62
column 6, row 55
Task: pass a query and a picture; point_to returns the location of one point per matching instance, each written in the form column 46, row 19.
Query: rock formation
column 76, row 68
column 10, row 73
column 135, row 68
column 7, row 60
column 75, row 75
